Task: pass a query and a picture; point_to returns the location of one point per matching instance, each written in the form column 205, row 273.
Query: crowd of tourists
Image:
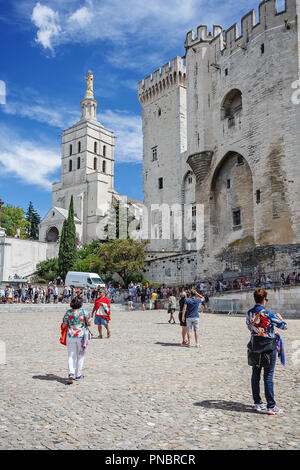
column 263, row 282
column 53, row 293
column 263, row 348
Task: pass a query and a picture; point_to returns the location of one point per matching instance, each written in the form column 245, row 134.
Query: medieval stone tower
column 241, row 129
column 165, row 170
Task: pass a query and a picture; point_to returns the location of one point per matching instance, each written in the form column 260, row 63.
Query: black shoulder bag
column 260, row 349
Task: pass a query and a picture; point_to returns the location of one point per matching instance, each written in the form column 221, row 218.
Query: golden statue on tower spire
column 90, row 85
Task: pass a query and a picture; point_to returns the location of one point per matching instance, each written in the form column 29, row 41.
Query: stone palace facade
column 222, row 150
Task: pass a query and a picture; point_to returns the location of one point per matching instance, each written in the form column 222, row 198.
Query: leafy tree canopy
column 124, row 257
column 13, row 218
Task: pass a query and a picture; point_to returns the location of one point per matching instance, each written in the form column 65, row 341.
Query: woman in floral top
column 77, row 320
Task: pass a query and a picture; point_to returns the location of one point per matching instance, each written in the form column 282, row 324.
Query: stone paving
column 141, row 389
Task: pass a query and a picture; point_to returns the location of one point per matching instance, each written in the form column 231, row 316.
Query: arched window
column 232, row 105
column 71, row 150
column 52, row 235
column 78, row 163
column 104, row 166
column 104, row 150
column 95, row 163
column 70, row 165
column 95, row 147
column 79, row 147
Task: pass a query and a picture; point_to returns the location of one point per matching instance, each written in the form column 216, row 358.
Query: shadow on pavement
column 168, row 344
column 51, row 377
column 226, row 405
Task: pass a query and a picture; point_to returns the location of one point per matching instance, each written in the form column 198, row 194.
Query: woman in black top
column 183, row 324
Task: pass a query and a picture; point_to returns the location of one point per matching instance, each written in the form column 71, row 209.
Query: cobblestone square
column 142, row 390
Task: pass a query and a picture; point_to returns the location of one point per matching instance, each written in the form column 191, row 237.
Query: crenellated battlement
column 169, row 75
column 233, row 37
column 202, row 35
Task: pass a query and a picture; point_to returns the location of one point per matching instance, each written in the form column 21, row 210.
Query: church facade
column 222, row 143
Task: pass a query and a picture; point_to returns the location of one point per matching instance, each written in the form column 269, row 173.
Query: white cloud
column 47, row 22
column 56, row 117
column 30, row 162
column 82, row 16
column 141, row 34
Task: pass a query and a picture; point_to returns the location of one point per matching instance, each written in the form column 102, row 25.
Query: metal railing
column 231, row 306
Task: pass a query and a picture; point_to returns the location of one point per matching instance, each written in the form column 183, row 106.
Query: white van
column 77, row 279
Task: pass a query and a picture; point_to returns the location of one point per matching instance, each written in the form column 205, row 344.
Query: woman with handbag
column 262, row 350
column 77, row 320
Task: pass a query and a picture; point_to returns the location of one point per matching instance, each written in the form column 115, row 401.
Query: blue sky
column 47, row 49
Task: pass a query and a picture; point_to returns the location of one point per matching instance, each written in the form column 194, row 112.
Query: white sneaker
column 198, row 345
column 260, row 407
column 274, row 411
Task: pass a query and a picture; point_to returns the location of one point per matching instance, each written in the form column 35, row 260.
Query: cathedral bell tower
column 87, row 172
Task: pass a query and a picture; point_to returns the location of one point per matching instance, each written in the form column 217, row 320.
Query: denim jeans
column 268, row 381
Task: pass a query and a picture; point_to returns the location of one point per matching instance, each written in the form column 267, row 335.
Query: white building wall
column 20, row 256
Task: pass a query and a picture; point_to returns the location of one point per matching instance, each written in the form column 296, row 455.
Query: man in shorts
column 190, row 312
column 102, row 313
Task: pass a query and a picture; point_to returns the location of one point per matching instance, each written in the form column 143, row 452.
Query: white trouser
column 75, row 355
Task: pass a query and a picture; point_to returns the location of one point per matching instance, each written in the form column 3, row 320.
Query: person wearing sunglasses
column 261, row 323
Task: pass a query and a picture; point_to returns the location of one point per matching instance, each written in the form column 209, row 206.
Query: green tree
column 48, row 270
column 124, row 257
column 67, row 255
column 13, row 218
column 34, row 220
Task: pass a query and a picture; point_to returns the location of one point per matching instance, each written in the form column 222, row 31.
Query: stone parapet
column 231, row 39
column 170, row 75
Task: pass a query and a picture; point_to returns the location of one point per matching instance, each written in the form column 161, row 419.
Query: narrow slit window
column 79, row 147
column 104, row 166
column 160, row 183
column 154, row 154
column 70, row 165
column 95, row 163
column 70, row 150
column 78, row 163
column 258, row 196
column 237, row 218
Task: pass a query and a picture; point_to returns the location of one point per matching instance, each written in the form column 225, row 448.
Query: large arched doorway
column 52, row 235
column 231, row 201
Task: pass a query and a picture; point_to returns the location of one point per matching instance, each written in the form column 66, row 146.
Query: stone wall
column 285, row 300
column 174, row 270
column 18, row 256
column 237, row 261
